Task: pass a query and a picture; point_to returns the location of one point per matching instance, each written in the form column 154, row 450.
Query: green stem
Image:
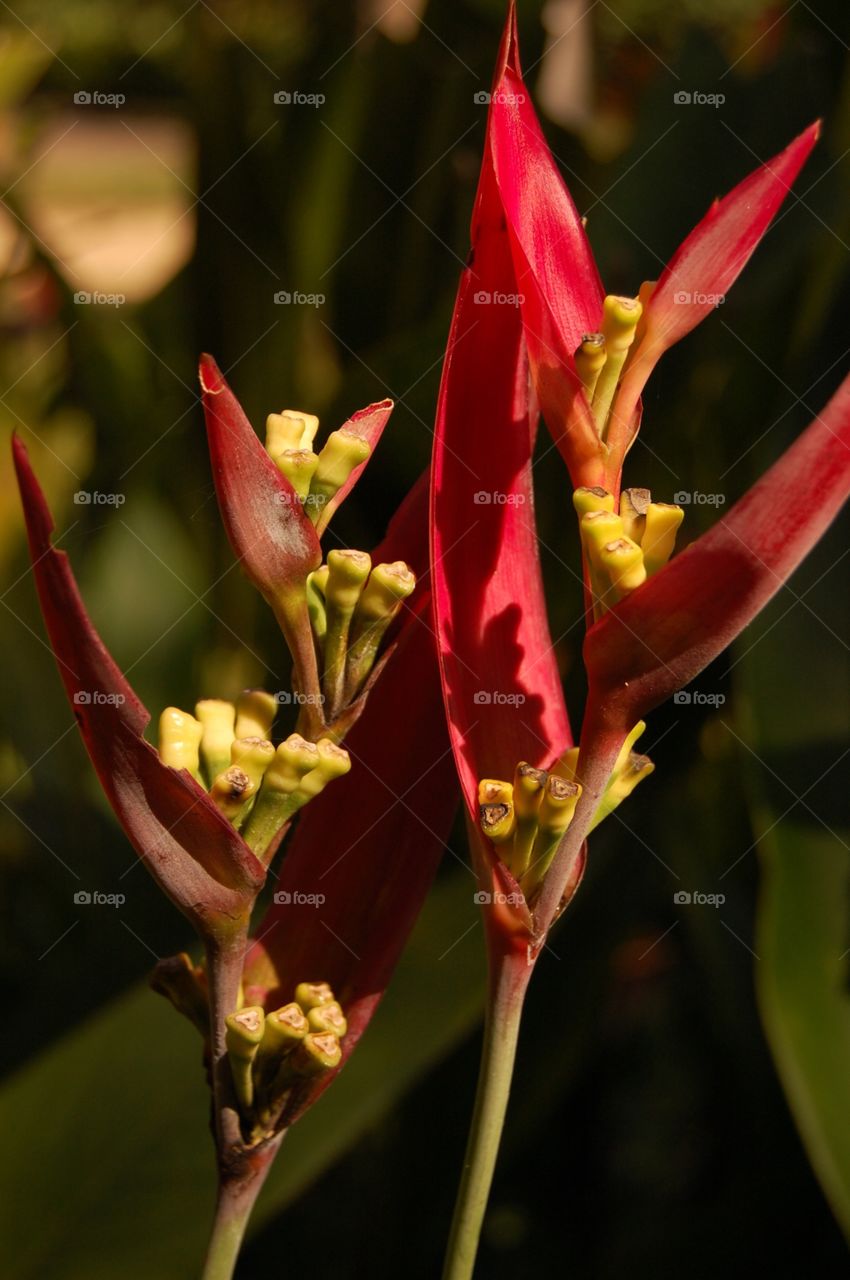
column 509, row 979
column 237, row 1194
column 225, row 958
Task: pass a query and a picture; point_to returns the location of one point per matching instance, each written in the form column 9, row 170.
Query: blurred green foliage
column 648, row 1129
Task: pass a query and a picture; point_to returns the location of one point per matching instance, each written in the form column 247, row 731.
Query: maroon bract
column 191, row 850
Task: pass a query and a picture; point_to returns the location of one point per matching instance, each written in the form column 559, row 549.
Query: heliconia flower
column 501, row 684
column 562, row 296
column 360, row 863
column 275, row 509
column 661, row 635
column 192, row 851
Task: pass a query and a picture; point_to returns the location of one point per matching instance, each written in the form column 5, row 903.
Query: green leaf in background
column 801, row 720
column 107, row 1130
column 803, row 995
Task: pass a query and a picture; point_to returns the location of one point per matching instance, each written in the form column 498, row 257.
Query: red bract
column 500, row 679
column 363, row 857
column 556, row 276
column 191, row 850
column 704, row 268
column 268, row 528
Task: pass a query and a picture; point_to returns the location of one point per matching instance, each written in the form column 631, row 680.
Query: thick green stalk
column 241, row 1173
column 237, row 1195
column 509, row 979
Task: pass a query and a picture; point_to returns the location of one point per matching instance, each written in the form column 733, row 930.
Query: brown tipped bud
column 231, row 789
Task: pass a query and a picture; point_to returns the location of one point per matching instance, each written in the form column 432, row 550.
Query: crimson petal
column 191, row 850
column 500, row 679
column 710, row 259
column 556, row 274
column 668, row 630
column 265, row 521
column 704, row 268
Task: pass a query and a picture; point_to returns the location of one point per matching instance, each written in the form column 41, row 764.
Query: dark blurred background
column 172, row 173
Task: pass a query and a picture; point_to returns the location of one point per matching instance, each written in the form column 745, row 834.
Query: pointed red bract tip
column 209, row 375
column 710, row 259
column 39, row 521
column 508, row 55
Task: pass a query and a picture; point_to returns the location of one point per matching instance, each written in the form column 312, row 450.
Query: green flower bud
column 342, row 453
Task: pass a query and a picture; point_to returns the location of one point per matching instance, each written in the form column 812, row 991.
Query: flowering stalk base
column 237, row 1194
column 509, row 980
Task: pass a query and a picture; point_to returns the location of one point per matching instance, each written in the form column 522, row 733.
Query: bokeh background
column 683, row 1067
